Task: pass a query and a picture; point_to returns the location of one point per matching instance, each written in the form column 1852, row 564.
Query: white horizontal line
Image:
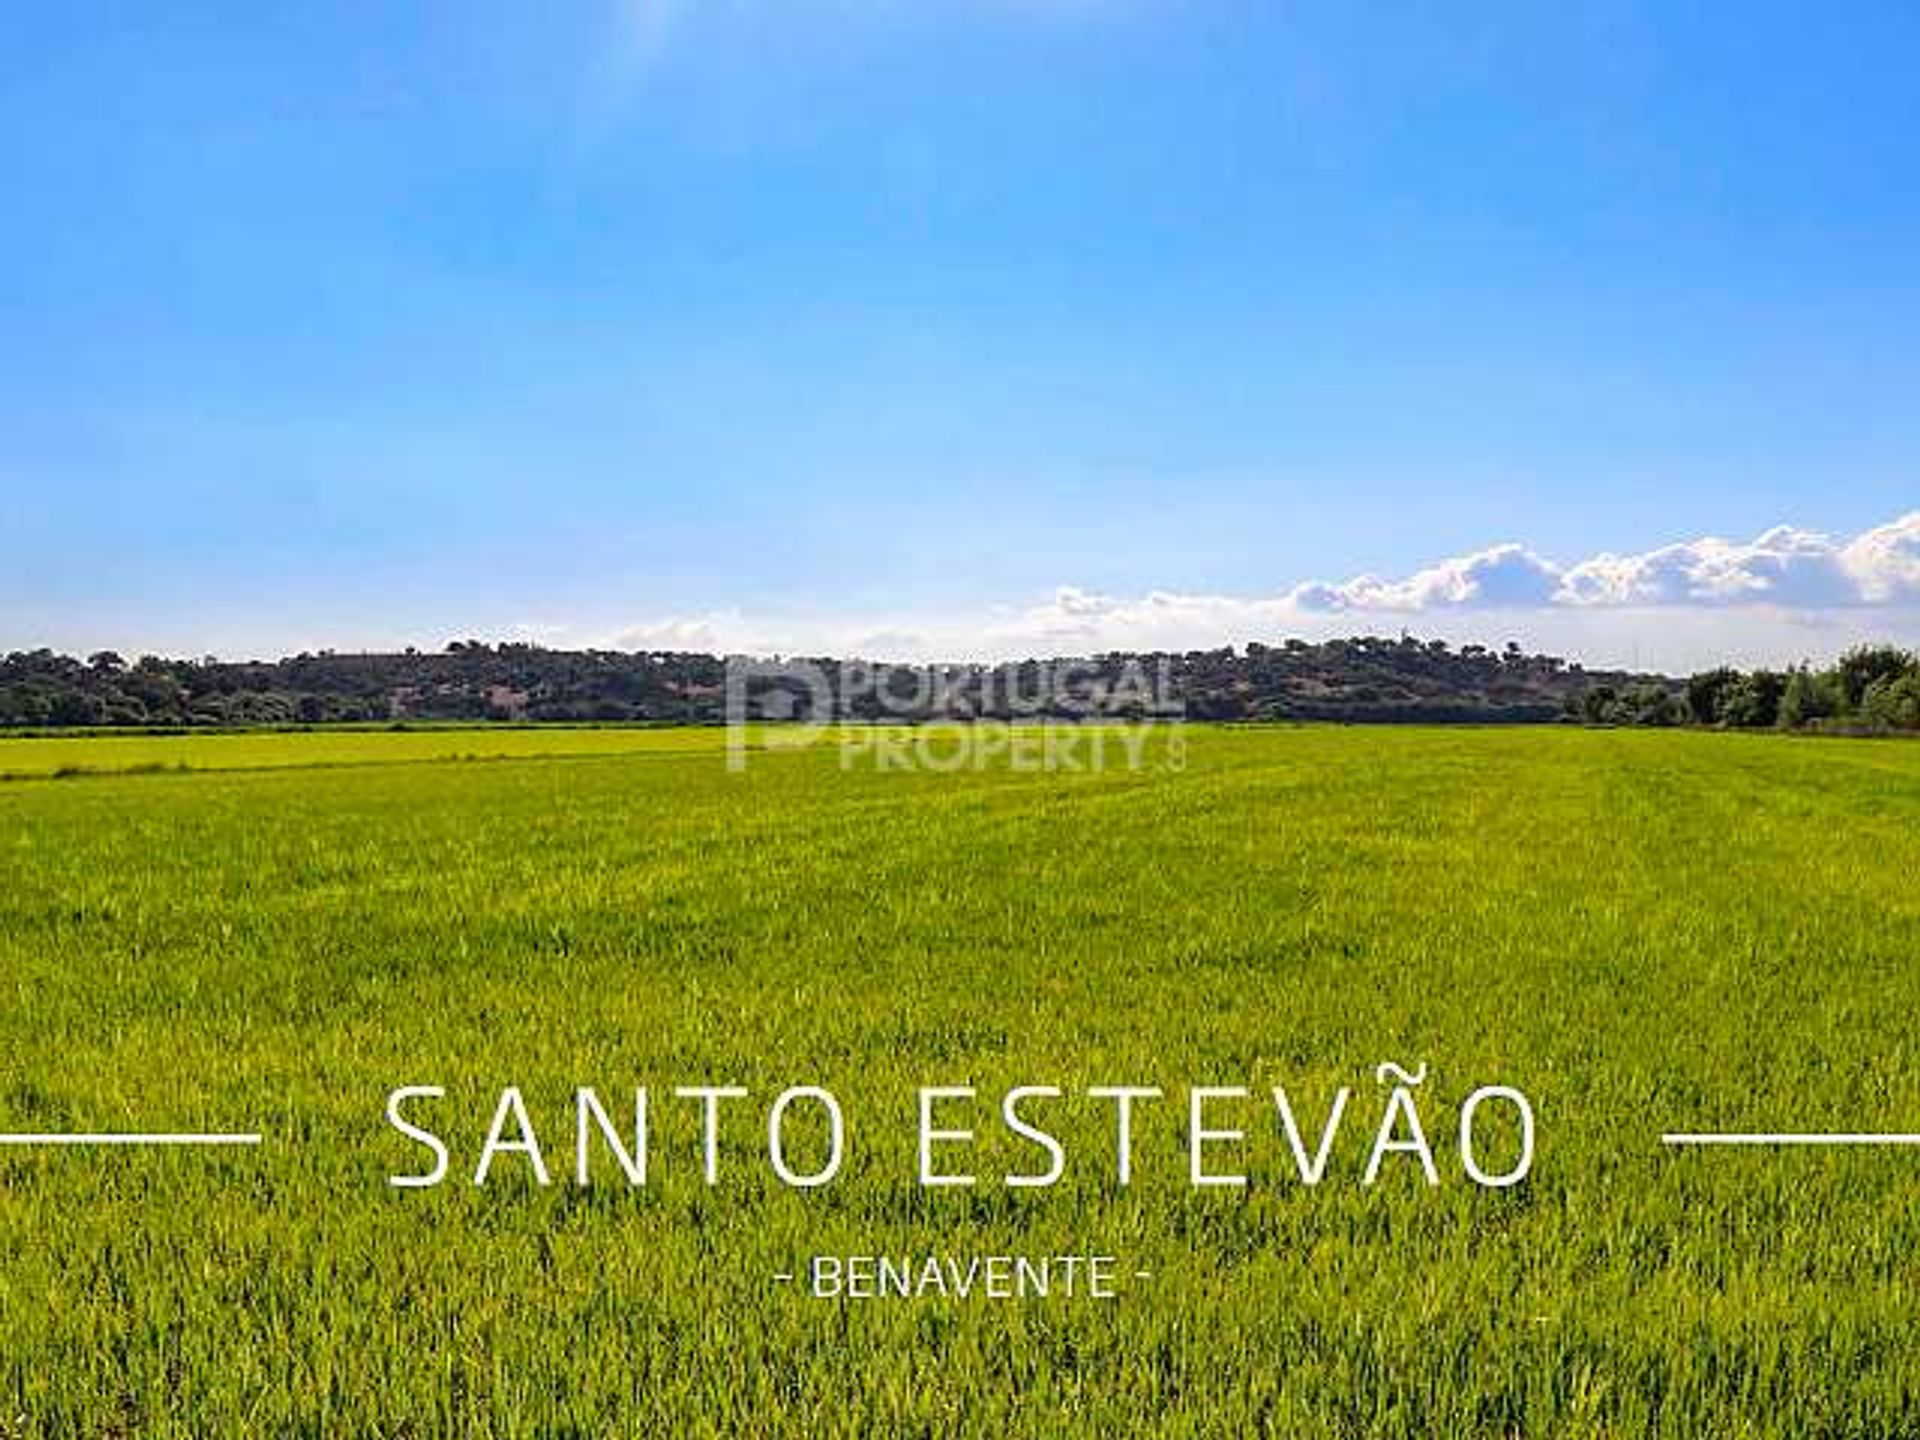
column 1794, row 1138
column 127, row 1139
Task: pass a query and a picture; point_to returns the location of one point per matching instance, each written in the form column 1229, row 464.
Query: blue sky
column 879, row 324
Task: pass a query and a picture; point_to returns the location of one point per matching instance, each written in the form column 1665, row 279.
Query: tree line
column 1871, row 689
column 1364, row 678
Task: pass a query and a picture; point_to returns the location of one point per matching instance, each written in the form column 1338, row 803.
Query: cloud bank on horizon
column 1784, row 566
column 1785, row 594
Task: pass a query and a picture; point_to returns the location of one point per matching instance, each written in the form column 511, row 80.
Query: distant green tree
column 73, row 707
column 1893, row 703
column 1864, row 665
column 1801, row 703
column 1754, row 703
column 1707, row 691
column 1650, row 705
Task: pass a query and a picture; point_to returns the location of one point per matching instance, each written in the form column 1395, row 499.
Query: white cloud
column 1784, row 595
column 1783, row 566
column 1885, row 562
column 1503, row 575
column 718, row 630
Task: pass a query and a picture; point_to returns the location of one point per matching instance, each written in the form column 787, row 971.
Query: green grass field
column 1644, row 931
column 65, row 756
